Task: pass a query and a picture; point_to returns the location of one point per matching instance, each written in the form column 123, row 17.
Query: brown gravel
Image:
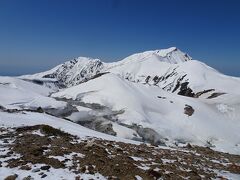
column 115, row 160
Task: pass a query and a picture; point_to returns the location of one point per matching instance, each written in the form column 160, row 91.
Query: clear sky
column 36, row 35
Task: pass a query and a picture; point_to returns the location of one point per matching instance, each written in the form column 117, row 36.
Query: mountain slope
column 16, row 93
column 31, row 149
column 158, row 113
column 139, row 96
column 71, row 72
column 213, row 122
column 196, row 75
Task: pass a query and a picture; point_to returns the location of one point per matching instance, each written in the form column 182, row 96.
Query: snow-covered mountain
column 16, row 93
column 175, row 119
column 70, row 73
column 161, row 96
column 82, row 69
column 104, row 111
column 169, row 69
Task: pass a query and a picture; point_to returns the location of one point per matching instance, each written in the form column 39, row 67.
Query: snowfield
column 211, row 122
column 158, row 95
column 31, row 119
column 15, row 93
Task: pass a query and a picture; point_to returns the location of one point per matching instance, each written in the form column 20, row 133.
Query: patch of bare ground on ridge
column 41, row 144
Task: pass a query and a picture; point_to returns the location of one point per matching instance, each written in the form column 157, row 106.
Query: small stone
column 45, row 167
column 154, row 173
column 40, row 110
column 28, row 178
column 26, row 167
column 91, row 169
column 188, row 110
column 189, row 146
column 11, row 177
column 83, row 169
column 43, row 176
column 77, row 178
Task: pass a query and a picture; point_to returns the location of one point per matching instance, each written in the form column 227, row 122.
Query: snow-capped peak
column 82, row 59
column 164, row 52
column 171, row 55
column 81, row 69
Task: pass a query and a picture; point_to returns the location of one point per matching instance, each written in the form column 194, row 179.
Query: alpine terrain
column 154, row 115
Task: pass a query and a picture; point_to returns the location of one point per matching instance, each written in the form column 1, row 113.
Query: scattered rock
column 198, row 94
column 185, row 90
column 162, row 97
column 45, row 167
column 77, row 177
column 188, row 110
column 28, row 178
column 11, row 177
column 83, row 169
column 111, row 159
column 234, row 168
column 189, row 146
column 147, row 79
column 40, row 110
column 43, row 176
column 26, row 167
column 2, row 108
column 154, row 174
column 99, row 124
column 52, row 131
column 214, row 95
column 195, row 175
column 149, row 135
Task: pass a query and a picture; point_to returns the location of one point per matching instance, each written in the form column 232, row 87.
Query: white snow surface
column 31, row 119
column 15, row 92
column 166, row 116
column 199, row 75
column 60, row 174
column 130, row 85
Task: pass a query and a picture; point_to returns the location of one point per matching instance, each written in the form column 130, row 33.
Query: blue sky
column 36, row 35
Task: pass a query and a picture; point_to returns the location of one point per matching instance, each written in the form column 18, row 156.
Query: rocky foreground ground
column 36, row 152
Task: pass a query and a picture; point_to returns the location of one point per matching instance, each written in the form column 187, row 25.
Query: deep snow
column 143, row 86
column 212, row 121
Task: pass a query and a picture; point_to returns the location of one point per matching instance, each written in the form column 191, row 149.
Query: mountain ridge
column 169, row 69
